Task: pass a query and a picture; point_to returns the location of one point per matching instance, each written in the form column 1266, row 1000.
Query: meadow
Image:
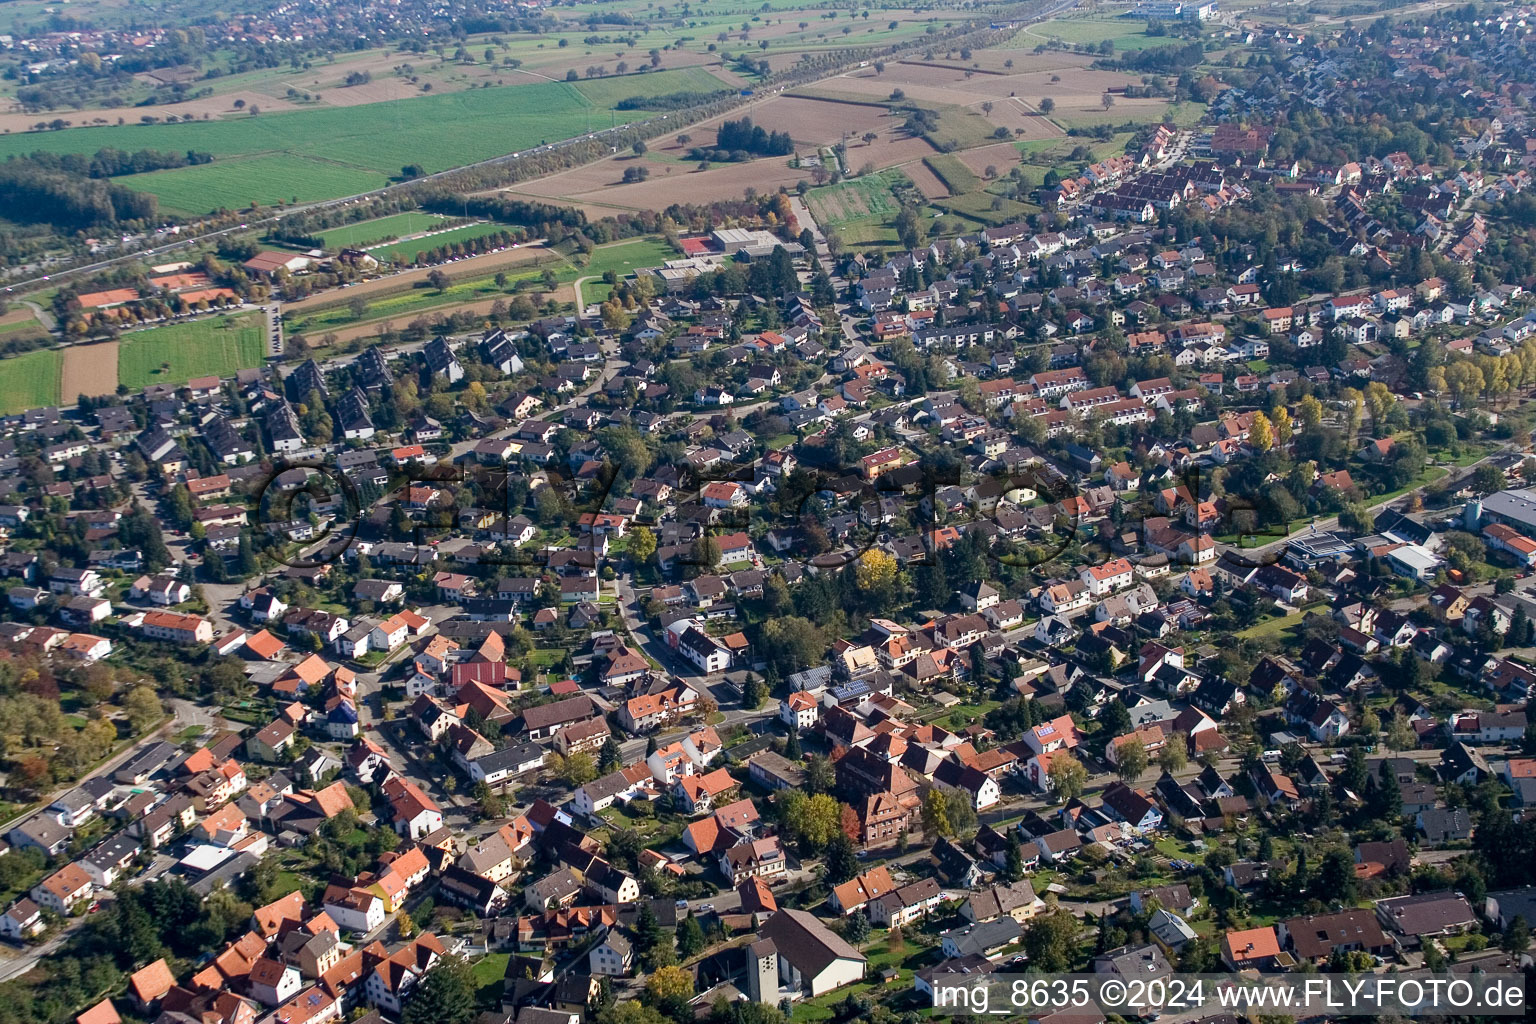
column 176, row 353
column 371, row 232
column 401, row 306
column 405, row 252
column 1124, row 33
column 327, row 152
column 30, row 380
column 955, row 175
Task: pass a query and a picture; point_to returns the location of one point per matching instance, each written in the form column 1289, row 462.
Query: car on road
column 706, row 907
column 681, row 904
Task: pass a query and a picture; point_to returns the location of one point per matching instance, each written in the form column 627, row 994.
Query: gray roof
column 985, row 936
column 1425, row 913
column 808, row 945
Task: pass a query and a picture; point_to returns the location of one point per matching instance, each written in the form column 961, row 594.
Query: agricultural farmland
column 30, row 380
column 268, row 180
column 176, row 353
column 328, row 152
column 869, row 196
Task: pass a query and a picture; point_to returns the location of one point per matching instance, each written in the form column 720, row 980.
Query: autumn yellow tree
column 1311, row 412
column 1261, row 436
column 670, row 982
column 1280, row 420
column 877, row 570
column 1354, row 409
column 642, row 544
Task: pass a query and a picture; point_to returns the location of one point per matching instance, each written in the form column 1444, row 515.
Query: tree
column 1311, row 412
column 611, row 757
column 856, row 928
column 1357, row 518
column 814, row 820
column 706, row 554
column 1280, row 421
column 1013, row 864
column 669, row 983
column 1131, row 760
column 438, row 280
column 1050, row 942
column 1336, row 876
column 1174, row 755
column 1260, row 435
column 648, row 930
column 819, row 774
column 842, row 859
column 143, row 709
column 792, row 745
column 753, row 693
column 690, row 938
column 1047, row 105
column 936, row 814
column 642, row 544
column 1400, row 734
column 792, row 643
column 1108, row 99
column 1068, row 777
column 576, row 769
column 876, row 573
column 444, row 995
column 1488, row 478
column 1516, row 938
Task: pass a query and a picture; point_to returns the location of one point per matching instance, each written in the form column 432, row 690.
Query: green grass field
column 622, row 258
column 966, row 129
column 985, row 207
column 22, row 329
column 335, row 151
column 418, row 300
column 179, row 352
column 1182, row 114
column 369, row 232
column 605, row 93
column 1124, row 33
column 31, row 380
column 268, row 180
column 406, row 251
column 955, row 175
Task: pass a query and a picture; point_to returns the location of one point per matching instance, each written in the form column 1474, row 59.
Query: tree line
column 112, row 163
column 32, row 194
column 671, row 100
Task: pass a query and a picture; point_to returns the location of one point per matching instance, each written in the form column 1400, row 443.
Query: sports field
column 178, row 352
column 327, row 152
column 406, row 251
column 30, row 380
column 622, row 258
column 371, row 232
